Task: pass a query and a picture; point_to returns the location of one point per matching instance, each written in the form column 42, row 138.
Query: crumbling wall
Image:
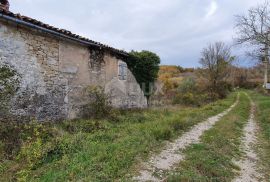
column 74, row 68
column 42, row 91
column 54, row 73
column 124, row 93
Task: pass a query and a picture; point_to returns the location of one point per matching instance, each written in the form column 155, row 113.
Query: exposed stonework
column 55, row 71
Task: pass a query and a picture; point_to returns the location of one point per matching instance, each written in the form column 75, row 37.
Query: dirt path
column 248, row 165
column 172, row 155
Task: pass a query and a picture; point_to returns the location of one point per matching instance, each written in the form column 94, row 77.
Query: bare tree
column 254, row 29
column 215, row 61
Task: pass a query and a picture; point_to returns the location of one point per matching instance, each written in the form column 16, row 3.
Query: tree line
column 252, row 28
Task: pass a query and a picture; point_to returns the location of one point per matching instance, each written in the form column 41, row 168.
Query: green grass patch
column 263, row 118
column 99, row 150
column 212, row 159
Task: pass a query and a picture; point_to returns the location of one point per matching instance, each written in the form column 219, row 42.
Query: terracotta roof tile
column 62, row 31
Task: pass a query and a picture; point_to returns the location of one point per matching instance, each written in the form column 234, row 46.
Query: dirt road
column 170, row 156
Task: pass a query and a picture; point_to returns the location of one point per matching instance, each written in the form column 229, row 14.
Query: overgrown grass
column 212, row 159
column 263, row 118
column 99, row 150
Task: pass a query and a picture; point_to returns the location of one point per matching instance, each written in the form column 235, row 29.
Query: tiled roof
column 61, row 31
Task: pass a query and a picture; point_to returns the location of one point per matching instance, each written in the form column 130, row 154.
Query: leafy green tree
column 145, row 67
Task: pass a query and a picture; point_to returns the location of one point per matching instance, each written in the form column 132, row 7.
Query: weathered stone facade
column 54, row 71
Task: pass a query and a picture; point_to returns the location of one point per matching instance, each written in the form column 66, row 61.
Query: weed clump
column 98, row 104
column 9, row 80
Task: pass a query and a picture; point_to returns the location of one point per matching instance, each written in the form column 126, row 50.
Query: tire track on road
column 171, row 156
column 248, row 165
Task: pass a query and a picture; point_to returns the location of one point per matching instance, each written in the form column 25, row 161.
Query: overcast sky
column 176, row 30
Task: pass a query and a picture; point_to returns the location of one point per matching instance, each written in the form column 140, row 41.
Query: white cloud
column 212, row 9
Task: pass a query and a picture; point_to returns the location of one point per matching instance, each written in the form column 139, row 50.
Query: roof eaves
column 30, row 22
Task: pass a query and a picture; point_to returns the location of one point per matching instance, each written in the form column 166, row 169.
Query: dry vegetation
column 186, row 86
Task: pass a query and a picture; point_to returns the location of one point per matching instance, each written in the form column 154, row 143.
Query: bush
column 196, row 93
column 185, row 99
column 223, row 89
column 98, row 104
column 187, row 86
column 9, row 81
column 14, row 134
column 187, row 93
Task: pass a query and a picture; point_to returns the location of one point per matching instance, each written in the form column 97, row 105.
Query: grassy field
column 263, row 118
column 212, row 159
column 89, row 150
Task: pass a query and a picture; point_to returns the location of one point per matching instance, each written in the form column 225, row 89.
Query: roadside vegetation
column 9, row 81
column 197, row 87
column 263, row 119
column 108, row 144
column 212, row 159
column 94, row 149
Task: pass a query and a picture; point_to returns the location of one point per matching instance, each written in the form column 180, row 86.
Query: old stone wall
column 35, row 58
column 53, row 73
column 124, row 93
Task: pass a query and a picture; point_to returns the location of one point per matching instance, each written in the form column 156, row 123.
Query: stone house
column 55, row 66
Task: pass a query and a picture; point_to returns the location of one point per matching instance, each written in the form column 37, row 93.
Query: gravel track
column 171, row 155
column 248, row 165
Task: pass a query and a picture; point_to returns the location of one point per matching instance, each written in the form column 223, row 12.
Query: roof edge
column 35, row 24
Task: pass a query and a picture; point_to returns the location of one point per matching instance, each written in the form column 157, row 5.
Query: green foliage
column 185, row 99
column 84, row 126
column 98, row 103
column 13, row 134
column 212, row 159
column 263, row 118
column 9, row 80
column 187, row 86
column 190, row 94
column 185, row 92
column 145, row 66
column 161, row 134
column 97, row 150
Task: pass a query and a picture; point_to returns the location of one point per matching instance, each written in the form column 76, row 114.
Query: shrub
column 223, row 89
column 187, row 86
column 186, row 93
column 9, row 81
column 14, row 134
column 98, row 103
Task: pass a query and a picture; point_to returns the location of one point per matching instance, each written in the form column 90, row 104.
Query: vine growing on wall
column 96, row 59
column 9, row 81
column 145, row 67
